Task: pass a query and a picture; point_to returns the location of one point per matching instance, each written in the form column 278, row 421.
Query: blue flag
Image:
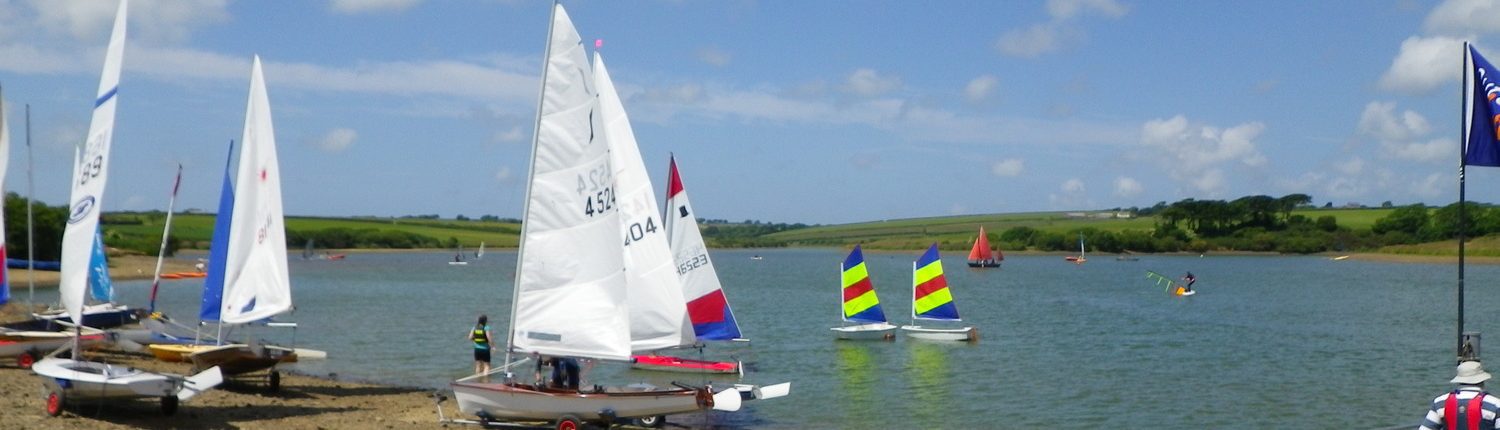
column 1481, row 147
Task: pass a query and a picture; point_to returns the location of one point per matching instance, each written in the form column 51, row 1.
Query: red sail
column 981, row 249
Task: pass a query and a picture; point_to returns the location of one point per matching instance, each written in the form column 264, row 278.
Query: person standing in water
column 483, row 340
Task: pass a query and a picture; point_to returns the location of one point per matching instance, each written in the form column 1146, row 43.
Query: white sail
column 90, row 170
column 708, row 308
column 570, row 297
column 658, row 313
column 4, row 164
column 256, row 285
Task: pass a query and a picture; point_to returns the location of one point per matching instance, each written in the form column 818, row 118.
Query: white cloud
column 1379, row 120
column 1008, row 167
column 1035, row 40
column 1433, row 186
column 1067, row 9
column 869, row 83
column 366, row 6
column 1436, row 150
column 337, row 140
column 713, row 56
column 1464, row 17
column 515, row 134
column 1423, row 64
column 1073, row 185
column 503, row 175
column 981, row 87
column 1197, row 153
column 151, row 21
column 1127, row 187
column 1352, row 167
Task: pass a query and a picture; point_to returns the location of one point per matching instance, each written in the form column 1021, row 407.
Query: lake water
column 1269, row 342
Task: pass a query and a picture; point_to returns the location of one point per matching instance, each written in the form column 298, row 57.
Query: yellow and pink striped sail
column 930, row 296
column 860, row 302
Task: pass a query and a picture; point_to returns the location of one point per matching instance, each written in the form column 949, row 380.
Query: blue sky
column 816, row 112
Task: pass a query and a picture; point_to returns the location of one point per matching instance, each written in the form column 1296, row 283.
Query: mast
column 1463, row 87
column 536, row 132
column 161, row 253
column 30, row 241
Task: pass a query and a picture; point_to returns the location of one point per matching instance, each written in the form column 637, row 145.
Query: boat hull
column 666, row 363
column 100, row 316
column 91, row 380
column 15, row 343
column 175, row 352
column 984, row 264
column 239, row 359
column 963, row 334
column 872, row 331
column 522, row 402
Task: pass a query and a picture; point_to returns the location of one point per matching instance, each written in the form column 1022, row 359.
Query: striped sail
column 860, row 302
column 708, row 308
column 90, row 171
column 658, row 313
column 931, row 299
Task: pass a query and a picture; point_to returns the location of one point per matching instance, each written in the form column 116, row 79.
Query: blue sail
column 100, row 287
column 218, row 249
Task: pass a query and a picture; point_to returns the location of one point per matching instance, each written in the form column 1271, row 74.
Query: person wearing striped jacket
column 1468, row 407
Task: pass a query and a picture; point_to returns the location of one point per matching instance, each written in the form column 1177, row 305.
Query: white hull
column 15, row 343
column 458, row 263
column 92, row 380
column 945, row 334
column 872, row 331
column 521, row 402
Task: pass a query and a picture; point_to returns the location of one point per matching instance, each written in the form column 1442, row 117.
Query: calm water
column 1265, row 340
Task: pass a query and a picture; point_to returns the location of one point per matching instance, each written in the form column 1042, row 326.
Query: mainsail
column 4, row 162
column 218, row 249
column 860, row 302
column 931, row 299
column 707, row 306
column 658, row 313
column 570, row 294
column 256, row 283
column 90, row 172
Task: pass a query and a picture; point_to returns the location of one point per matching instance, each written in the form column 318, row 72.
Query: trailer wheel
column 55, row 402
column 168, row 405
column 569, row 422
column 654, row 421
column 275, row 382
column 26, row 359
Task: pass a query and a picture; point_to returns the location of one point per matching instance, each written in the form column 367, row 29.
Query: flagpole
column 30, row 240
column 1462, row 225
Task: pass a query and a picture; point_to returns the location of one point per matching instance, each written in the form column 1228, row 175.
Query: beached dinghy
column 65, row 379
column 570, row 297
column 861, row 305
column 932, row 300
column 256, row 282
column 29, row 346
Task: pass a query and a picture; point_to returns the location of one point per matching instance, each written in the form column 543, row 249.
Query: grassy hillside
column 196, row 230
column 957, row 232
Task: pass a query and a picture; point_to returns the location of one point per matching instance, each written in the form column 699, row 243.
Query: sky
column 786, row 111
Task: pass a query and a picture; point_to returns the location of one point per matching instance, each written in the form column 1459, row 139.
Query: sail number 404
column 637, row 232
column 693, row 263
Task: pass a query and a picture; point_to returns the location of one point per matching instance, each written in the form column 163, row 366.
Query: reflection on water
column 931, row 383
column 857, row 373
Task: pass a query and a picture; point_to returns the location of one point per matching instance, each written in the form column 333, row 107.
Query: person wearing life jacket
column 1189, row 279
column 483, row 342
column 1467, row 408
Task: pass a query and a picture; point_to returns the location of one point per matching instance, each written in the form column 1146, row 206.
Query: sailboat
column 932, row 300
column 981, row 256
column 570, row 297
column 458, row 257
column 708, row 309
column 64, row 379
column 256, row 284
column 861, row 305
column 479, row 254
column 1080, row 258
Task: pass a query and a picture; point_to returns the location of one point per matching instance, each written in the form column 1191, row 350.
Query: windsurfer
column 1189, row 279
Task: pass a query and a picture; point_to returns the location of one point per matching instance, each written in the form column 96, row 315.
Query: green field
column 196, row 230
column 957, row 232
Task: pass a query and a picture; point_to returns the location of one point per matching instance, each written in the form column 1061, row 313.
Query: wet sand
column 121, row 267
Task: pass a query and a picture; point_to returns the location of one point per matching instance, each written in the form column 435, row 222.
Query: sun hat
column 1470, row 372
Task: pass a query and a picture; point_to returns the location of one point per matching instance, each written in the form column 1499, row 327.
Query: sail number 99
column 694, row 263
